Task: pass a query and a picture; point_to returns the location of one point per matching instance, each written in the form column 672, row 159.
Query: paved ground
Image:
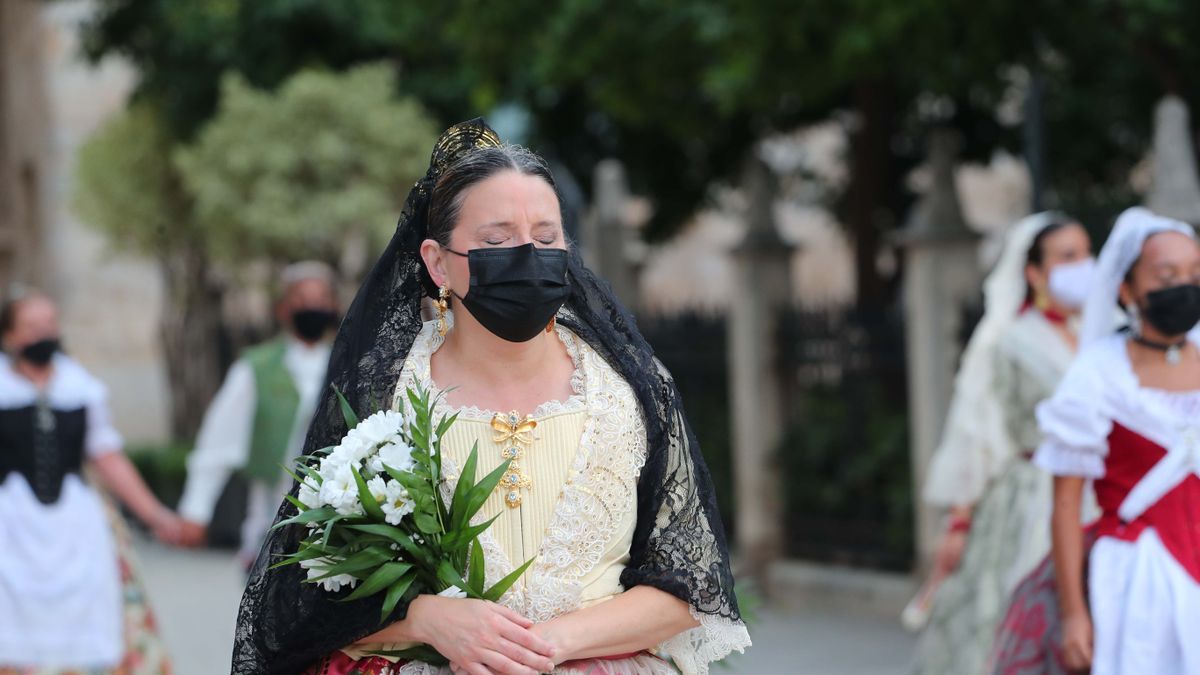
column 195, row 594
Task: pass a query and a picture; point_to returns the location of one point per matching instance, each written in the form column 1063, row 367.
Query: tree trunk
column 872, row 181
column 191, row 331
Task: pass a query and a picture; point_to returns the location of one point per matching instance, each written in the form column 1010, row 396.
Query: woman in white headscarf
column 1123, row 597
column 998, row 502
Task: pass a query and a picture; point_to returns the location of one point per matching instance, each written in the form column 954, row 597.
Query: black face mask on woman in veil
column 515, row 291
column 1172, row 311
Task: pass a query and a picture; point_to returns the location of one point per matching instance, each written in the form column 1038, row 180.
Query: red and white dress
column 1141, row 447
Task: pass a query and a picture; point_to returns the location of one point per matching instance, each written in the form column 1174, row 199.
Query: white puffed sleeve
column 102, row 436
column 1073, row 421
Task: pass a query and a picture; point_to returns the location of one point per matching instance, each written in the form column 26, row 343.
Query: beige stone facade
column 51, row 100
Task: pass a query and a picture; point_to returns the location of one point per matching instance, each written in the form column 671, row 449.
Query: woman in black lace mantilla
column 632, row 573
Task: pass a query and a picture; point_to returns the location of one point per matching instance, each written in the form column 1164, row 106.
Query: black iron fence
column 845, row 452
column 847, row 479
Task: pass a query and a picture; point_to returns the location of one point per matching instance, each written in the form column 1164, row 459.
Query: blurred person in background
column 999, row 503
column 70, row 598
column 257, row 421
column 1122, row 597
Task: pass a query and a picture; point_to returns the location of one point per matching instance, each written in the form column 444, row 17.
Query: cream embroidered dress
column 577, row 516
column 1010, row 531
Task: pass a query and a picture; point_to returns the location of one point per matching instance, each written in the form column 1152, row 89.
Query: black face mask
column 1172, row 311
column 311, row 324
column 516, row 291
column 39, row 353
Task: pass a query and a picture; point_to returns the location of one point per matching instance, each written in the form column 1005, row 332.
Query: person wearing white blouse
column 258, row 419
column 71, row 598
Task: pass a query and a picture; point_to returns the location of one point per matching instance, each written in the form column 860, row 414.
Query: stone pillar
column 24, row 143
column 941, row 275
column 762, row 291
column 607, row 235
column 1176, row 189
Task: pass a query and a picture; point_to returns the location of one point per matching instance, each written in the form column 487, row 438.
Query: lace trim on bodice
column 430, row 341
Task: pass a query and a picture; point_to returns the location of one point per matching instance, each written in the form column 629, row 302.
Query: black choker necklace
column 1174, row 351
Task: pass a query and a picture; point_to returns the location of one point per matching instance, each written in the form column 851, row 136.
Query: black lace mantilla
column 678, row 546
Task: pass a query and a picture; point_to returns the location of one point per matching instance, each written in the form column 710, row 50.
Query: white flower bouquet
column 377, row 519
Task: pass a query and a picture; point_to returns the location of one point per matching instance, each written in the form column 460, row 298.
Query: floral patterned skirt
column 641, row 663
column 1029, row 639
column 1009, row 537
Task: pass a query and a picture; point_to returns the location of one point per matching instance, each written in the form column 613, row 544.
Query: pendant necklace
column 515, row 436
column 1173, row 351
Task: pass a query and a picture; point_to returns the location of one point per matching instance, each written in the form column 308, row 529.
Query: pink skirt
column 1029, row 639
column 640, row 663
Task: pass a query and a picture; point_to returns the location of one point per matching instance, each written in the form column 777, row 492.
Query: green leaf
column 366, row 559
column 479, row 493
column 364, row 495
column 501, row 587
column 394, row 593
column 297, row 503
column 306, row 552
column 450, row 576
column 395, row 534
column 459, row 539
column 410, row 481
column 380, row 579
column 309, row 516
column 476, row 570
column 426, row 523
column 347, row 411
column 328, row 533
column 292, row 473
column 422, row 653
column 445, row 424
column 465, row 480
column 312, row 473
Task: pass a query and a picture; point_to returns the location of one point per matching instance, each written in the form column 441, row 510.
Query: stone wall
column 51, row 100
column 23, row 151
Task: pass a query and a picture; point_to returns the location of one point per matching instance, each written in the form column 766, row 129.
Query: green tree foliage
column 679, row 90
column 298, row 172
column 126, row 185
column 293, row 173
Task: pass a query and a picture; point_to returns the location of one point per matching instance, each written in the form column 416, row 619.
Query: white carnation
column 396, row 503
column 453, row 592
column 341, row 491
column 352, row 449
column 308, row 496
column 382, row 427
column 378, row 489
column 397, row 455
column 318, row 567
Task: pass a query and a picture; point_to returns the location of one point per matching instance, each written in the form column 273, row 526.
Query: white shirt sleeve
column 101, row 436
column 223, row 444
column 1074, row 427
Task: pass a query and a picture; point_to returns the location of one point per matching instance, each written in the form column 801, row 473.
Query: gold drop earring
column 442, row 304
column 1041, row 300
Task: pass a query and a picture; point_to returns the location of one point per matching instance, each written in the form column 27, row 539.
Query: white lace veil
column 1133, row 227
column 975, row 443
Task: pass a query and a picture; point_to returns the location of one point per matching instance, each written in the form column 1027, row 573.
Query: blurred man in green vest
column 257, row 421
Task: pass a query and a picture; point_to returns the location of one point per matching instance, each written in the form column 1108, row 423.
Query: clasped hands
column 478, row 637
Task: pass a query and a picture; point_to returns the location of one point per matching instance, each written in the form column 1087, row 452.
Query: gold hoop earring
column 442, row 305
